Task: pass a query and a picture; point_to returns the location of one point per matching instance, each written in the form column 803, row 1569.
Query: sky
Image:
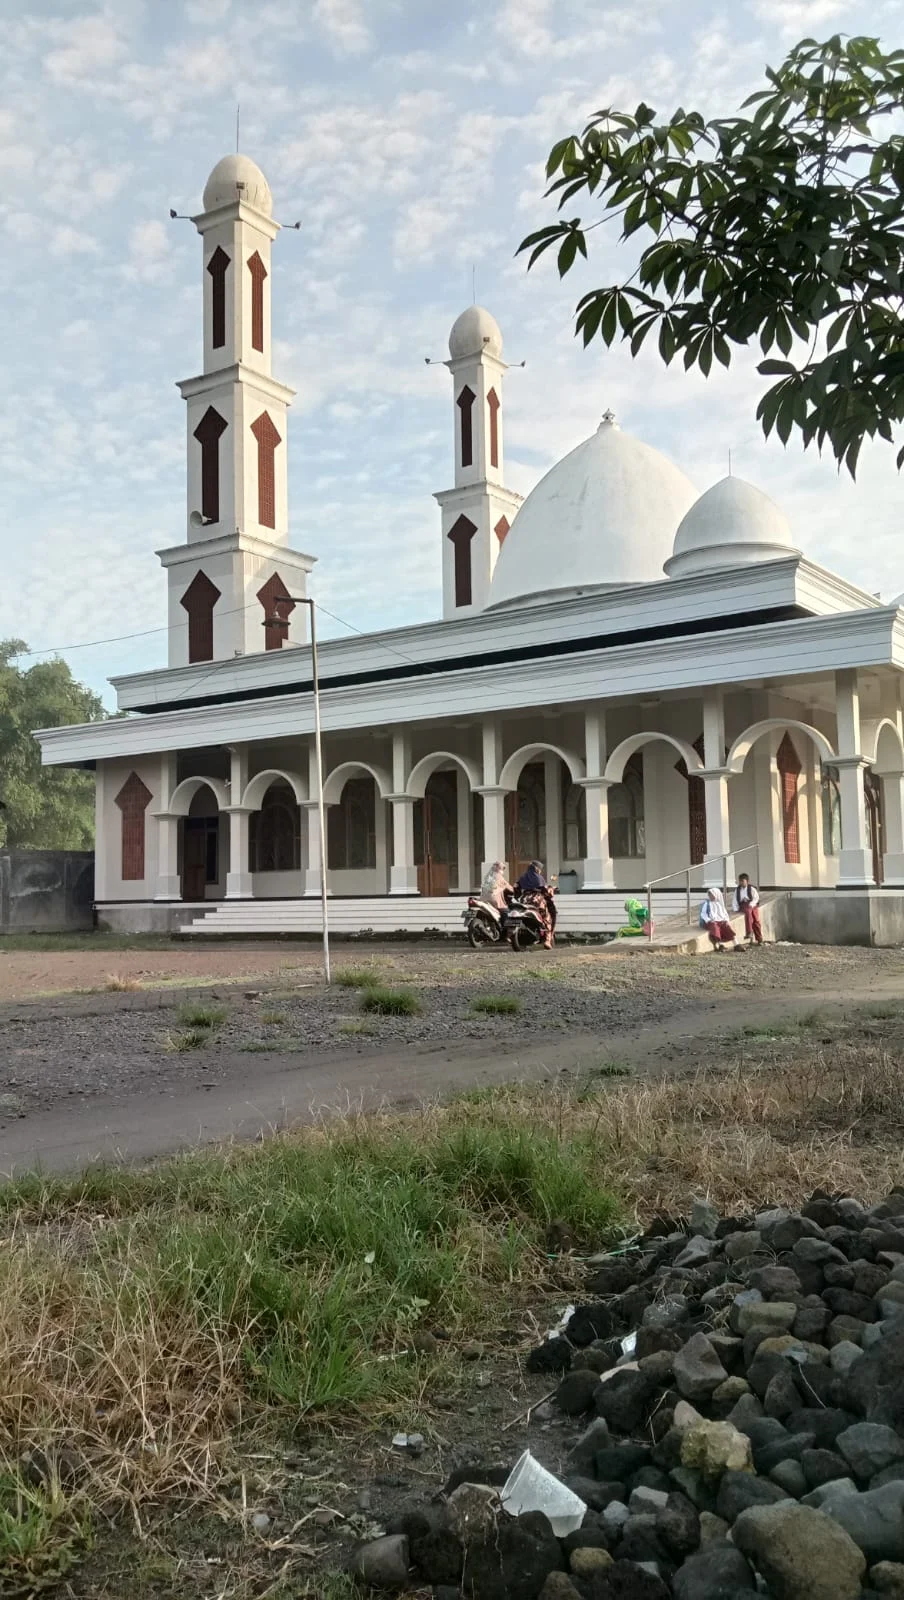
column 409, row 139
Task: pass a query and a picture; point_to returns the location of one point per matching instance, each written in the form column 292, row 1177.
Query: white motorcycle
column 483, row 923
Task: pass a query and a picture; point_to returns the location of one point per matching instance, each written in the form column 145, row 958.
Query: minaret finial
column 238, row 115
column 474, row 285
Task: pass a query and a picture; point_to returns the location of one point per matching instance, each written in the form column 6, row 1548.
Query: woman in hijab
column 496, row 886
column 714, row 918
column 533, row 889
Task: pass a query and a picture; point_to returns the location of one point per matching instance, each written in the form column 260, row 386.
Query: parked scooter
column 523, row 924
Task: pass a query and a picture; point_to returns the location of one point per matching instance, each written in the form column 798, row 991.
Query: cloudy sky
column 408, row 136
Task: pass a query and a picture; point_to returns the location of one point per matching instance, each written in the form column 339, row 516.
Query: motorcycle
column 483, row 923
column 523, row 924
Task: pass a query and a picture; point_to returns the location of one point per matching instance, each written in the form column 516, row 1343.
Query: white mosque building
column 629, row 678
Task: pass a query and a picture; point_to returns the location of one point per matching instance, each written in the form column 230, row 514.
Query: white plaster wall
column 109, row 883
column 228, row 622
column 239, row 238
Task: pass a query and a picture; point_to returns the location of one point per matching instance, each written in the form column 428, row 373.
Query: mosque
column 630, row 679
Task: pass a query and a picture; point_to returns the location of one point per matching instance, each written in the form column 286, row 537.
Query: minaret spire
column 478, row 513
column 237, row 504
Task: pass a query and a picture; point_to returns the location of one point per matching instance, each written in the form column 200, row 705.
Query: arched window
column 276, row 832
column 352, row 828
column 525, row 819
column 831, row 810
column 575, row 813
column 627, row 837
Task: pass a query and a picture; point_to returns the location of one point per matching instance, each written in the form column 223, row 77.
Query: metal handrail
column 696, row 866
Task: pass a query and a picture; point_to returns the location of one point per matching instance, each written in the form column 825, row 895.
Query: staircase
column 385, row 916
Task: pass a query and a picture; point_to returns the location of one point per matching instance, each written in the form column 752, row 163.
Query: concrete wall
column 46, row 891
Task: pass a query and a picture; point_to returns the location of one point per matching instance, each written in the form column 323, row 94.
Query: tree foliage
column 50, row 808
column 781, row 226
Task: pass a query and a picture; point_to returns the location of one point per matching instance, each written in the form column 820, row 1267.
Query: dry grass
column 118, row 984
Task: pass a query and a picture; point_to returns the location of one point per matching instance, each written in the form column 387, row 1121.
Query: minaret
column 478, row 513
column 229, row 585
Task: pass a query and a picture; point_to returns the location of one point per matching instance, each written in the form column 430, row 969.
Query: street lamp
column 276, row 621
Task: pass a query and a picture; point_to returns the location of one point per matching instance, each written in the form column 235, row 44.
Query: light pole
column 276, row 621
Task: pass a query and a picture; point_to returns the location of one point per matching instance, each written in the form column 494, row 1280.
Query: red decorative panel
column 501, row 529
column 133, row 800
column 258, row 274
column 278, row 607
column 217, row 266
column 789, row 769
column 267, row 440
column 465, row 403
column 461, row 535
column 208, row 433
column 199, row 600
column 696, row 815
column 493, row 402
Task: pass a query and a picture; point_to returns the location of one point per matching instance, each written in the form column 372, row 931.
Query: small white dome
column 473, row 332
column 733, row 524
column 603, row 517
column 238, row 178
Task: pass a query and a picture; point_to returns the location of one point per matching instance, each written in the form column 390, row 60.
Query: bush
column 497, row 1005
column 356, row 978
column 391, row 1002
column 193, row 1015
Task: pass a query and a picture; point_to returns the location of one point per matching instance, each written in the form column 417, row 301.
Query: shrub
column 391, row 1002
column 496, row 1005
column 193, row 1015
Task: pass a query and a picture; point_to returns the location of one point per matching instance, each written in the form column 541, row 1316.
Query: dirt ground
column 123, row 1073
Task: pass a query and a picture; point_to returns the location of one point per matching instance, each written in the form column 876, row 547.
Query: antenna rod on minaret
column 238, row 113
column 474, row 285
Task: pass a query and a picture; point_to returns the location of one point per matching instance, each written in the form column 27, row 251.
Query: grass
column 51, row 942
column 188, row 1039
column 496, row 1005
column 118, row 984
column 272, row 1018
column 390, row 1002
column 195, row 1015
column 357, row 1028
column 357, row 978
column 40, row 1537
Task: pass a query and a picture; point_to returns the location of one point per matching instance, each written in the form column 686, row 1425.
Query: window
column 788, row 763
column 276, row 832
column 575, row 814
column 133, row 800
column 626, row 812
column 352, row 828
column 831, row 811
column 465, row 403
column 460, row 535
column 217, row 266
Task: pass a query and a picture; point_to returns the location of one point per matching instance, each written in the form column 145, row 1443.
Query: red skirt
column 721, row 932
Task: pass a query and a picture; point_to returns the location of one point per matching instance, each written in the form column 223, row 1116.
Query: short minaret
column 229, row 585
column 478, row 513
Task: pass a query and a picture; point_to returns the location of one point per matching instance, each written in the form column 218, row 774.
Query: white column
column 465, row 831
column 715, row 782
column 855, row 863
column 598, row 870
column 893, row 809
column 403, row 872
column 311, row 809
column 238, row 878
column 169, row 884
column 493, row 798
column 552, row 784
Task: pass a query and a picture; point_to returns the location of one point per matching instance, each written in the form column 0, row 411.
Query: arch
column 745, row 741
column 887, row 760
column 256, row 789
column 423, row 771
column 184, row 793
column 514, row 766
column 338, row 778
column 621, row 755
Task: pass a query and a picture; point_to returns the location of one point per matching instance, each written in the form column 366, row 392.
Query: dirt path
column 255, row 1095
column 27, row 974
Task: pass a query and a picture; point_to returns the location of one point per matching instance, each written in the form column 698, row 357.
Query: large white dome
column 603, row 517
column 238, row 178
column 733, row 524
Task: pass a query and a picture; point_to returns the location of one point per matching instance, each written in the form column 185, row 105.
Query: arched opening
column 830, row 796
column 352, row 827
column 788, row 764
column 203, row 868
column 275, row 831
column 875, row 822
column 436, row 834
column 627, row 834
column 525, row 819
column 574, row 814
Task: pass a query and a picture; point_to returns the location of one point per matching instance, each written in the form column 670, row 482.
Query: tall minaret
column 229, row 585
column 478, row 512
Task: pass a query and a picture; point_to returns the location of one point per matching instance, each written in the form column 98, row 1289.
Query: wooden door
column 873, row 798
column 195, row 858
column 436, row 835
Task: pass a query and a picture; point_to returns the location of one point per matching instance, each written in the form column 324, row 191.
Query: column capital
column 595, row 781
column 712, row 772
column 401, row 799
column 844, row 762
column 489, row 790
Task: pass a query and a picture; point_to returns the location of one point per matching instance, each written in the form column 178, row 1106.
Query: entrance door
column 873, row 796
column 525, row 821
column 200, row 864
column 436, row 849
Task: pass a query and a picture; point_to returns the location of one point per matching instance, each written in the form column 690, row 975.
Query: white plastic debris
column 529, row 1487
column 564, row 1319
column 629, row 1343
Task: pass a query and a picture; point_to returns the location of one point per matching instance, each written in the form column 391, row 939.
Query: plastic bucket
column 529, row 1487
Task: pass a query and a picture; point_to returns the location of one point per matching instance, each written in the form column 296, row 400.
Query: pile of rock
column 752, row 1440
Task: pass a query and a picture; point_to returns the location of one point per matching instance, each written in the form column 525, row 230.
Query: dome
column 603, row 517
column 237, row 178
column 732, row 525
column 473, row 332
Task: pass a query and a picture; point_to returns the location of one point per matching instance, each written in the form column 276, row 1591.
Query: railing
column 697, row 866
